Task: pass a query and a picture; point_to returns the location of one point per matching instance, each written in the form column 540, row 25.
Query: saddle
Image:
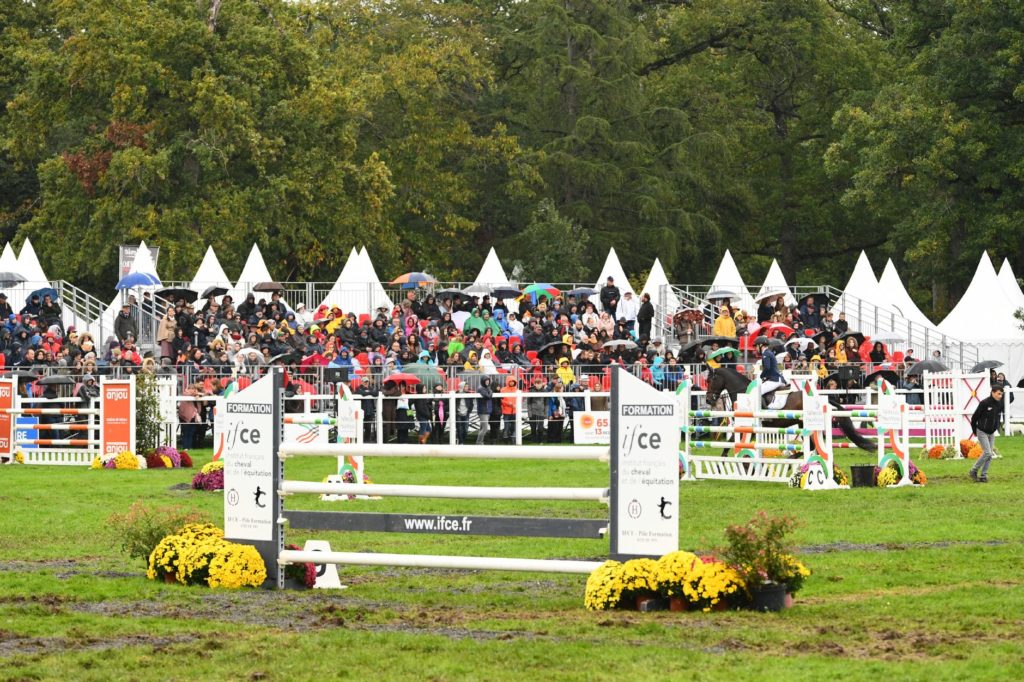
column 775, row 399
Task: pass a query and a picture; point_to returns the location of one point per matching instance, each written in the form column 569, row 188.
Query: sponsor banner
column 126, row 256
column 249, row 462
column 350, row 420
column 306, row 434
column 889, row 412
column 645, row 469
column 591, row 428
column 814, row 414
column 117, row 416
column 7, row 389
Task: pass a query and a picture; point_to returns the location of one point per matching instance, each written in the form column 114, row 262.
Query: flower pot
column 677, row 604
column 862, row 475
column 768, row 597
column 647, row 602
column 789, row 600
column 170, row 578
column 294, row 584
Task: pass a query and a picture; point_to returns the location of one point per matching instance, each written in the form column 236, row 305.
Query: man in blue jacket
column 771, row 377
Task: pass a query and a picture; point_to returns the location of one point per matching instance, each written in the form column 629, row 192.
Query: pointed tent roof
column 28, row 265
column 210, row 273
column 655, row 280
column 728, row 283
column 612, row 268
column 891, row 287
column 1006, row 277
column 143, row 261
column 775, row 282
column 8, row 261
column 863, row 286
column 253, row 272
column 379, row 297
column 491, row 272
column 335, row 295
column 985, row 312
column 358, row 290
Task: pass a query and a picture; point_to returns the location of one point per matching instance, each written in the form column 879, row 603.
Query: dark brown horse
column 729, row 381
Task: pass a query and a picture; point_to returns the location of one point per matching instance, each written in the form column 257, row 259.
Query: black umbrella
column 178, row 293
column 926, row 366
column 720, row 340
column 824, row 338
column 830, row 377
column 506, row 292
column 454, row 293
column 214, row 291
column 820, row 299
column 57, row 380
column 986, row 364
column 287, row 358
column 10, row 279
column 268, row 287
column 887, row 374
column 855, row 335
column 20, row 375
column 548, row 346
column 581, row 291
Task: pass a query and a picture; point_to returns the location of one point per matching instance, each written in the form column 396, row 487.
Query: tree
column 553, row 247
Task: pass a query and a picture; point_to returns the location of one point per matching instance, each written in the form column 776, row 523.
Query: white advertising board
column 249, row 462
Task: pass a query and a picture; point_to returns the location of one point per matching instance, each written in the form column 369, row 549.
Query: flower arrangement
column 758, row 550
column 799, row 478
column 772, row 453
column 170, row 453
column 793, row 573
column 210, row 476
column 302, row 573
column 186, row 459
column 125, row 459
column 198, row 554
column 936, row 452
column 699, row 582
column 974, row 452
column 966, row 445
column 604, row 588
column 891, row 475
column 639, row 578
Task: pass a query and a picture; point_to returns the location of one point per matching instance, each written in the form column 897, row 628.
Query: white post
column 452, row 409
column 380, row 418
column 519, row 417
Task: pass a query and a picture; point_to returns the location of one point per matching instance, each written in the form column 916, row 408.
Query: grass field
column 919, row 583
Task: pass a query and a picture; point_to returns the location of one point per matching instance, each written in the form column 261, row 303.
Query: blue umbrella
column 137, row 279
column 45, row 291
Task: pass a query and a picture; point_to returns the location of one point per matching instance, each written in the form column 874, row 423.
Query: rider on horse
column 771, row 377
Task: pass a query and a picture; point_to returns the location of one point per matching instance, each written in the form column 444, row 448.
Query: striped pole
column 786, row 414
column 328, row 421
column 785, row 430
column 60, row 441
column 730, row 445
column 35, row 411
column 54, row 427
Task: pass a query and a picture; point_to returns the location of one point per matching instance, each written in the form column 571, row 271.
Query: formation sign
column 249, row 462
column 645, row 469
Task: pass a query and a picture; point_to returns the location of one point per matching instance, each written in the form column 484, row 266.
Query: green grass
column 911, row 584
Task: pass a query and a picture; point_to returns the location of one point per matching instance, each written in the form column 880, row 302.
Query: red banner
column 117, row 416
column 6, row 418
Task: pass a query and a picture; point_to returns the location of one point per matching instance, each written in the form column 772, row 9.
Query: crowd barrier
column 108, row 426
column 642, row 497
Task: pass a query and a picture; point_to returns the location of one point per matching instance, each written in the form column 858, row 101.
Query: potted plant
column 759, row 553
column 299, row 576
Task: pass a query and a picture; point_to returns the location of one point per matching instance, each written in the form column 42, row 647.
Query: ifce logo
column 635, row 438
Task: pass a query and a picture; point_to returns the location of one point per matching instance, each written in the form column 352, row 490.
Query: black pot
column 862, row 475
column 768, row 597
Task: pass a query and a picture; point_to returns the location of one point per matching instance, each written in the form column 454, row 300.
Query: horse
column 729, row 381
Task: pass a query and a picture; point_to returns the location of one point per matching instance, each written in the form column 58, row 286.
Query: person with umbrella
column 984, row 423
column 771, row 377
column 124, row 324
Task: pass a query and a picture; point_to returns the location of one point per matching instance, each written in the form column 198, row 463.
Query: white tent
column 8, row 261
column 984, row 318
column 143, row 263
column 862, row 300
column 655, row 281
column 728, row 283
column 1006, row 277
column 491, row 272
column 210, row 273
column 336, row 294
column 775, row 283
column 253, row 272
column 29, row 267
column 358, row 290
column 985, row 312
column 896, row 297
column 612, row 268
